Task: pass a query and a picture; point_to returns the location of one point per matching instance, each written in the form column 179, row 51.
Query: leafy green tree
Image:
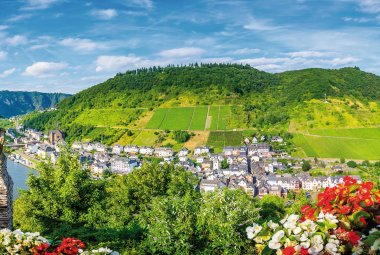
column 352, row 164
column 306, row 165
column 58, row 197
column 222, row 219
column 171, row 225
column 224, row 164
column 181, row 136
column 272, row 208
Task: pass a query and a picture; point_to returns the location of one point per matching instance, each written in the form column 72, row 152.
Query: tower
column 6, row 189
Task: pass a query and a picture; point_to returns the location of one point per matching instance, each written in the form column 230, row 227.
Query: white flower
column 297, row 230
column 274, row 245
column 253, row 231
column 278, row 236
column 284, row 219
column 331, row 248
column 308, row 226
column 291, row 221
column 257, row 228
column 272, row 225
column 258, row 239
column 328, row 216
column 316, row 244
column 376, row 245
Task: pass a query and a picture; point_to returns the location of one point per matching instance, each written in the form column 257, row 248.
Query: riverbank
column 19, row 174
column 23, row 159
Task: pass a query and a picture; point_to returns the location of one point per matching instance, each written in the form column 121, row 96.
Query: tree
column 342, row 161
column 306, row 165
column 272, row 208
column 58, row 197
column 224, row 164
column 222, row 220
column 171, row 225
column 352, row 164
column 181, row 136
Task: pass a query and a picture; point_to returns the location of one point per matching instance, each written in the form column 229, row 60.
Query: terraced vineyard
column 352, row 143
column 195, row 118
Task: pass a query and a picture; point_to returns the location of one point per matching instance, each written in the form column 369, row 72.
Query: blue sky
column 69, row 45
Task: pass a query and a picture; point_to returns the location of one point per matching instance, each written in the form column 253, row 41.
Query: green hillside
column 216, row 97
column 18, row 102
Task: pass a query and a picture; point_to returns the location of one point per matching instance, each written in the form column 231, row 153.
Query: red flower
column 289, row 250
column 362, row 220
column 304, row 251
column 349, row 180
column 353, row 238
column 346, row 209
column 308, row 213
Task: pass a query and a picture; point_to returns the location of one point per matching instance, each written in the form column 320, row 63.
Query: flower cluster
column 18, row 242
column 345, row 221
column 348, row 198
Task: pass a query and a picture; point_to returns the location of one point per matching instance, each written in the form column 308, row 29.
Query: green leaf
column 267, row 251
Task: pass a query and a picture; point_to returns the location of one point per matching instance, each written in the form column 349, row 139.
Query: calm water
column 19, row 174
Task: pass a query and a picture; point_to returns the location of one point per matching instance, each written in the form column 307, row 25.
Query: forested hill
column 222, row 83
column 18, row 102
column 265, row 99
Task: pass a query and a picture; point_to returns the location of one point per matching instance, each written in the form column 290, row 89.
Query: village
column 253, row 167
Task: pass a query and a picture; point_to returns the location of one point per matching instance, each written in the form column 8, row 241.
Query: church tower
column 6, row 188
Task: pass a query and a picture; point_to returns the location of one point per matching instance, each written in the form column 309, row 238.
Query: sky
column 69, row 45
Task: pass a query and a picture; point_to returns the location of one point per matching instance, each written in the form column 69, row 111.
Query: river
column 19, row 174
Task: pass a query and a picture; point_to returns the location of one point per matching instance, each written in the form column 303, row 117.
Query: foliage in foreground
column 154, row 210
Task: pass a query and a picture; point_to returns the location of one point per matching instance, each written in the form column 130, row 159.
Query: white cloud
column 3, row 27
column 7, row 72
column 245, row 51
column 3, row 55
column 342, row 61
column 81, row 45
column 260, row 25
column 105, row 14
column 16, row 40
column 120, row 63
column 19, row 17
column 370, row 6
column 148, row 4
column 308, row 54
column 181, row 52
column 44, row 69
column 38, row 4
column 356, row 20
column 38, row 46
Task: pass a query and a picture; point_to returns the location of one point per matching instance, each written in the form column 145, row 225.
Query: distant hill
column 132, row 106
column 18, row 102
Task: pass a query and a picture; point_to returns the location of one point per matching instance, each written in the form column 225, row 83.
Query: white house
column 277, row 139
column 163, row 152
column 45, row 151
column 117, row 149
column 131, row 149
column 77, row 146
column 100, row 147
column 123, row 165
column 201, row 150
column 183, row 152
column 146, row 151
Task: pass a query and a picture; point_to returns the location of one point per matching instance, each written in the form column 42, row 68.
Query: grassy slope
column 249, row 98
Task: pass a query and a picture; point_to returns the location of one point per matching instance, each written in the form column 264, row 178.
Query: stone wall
column 6, row 195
